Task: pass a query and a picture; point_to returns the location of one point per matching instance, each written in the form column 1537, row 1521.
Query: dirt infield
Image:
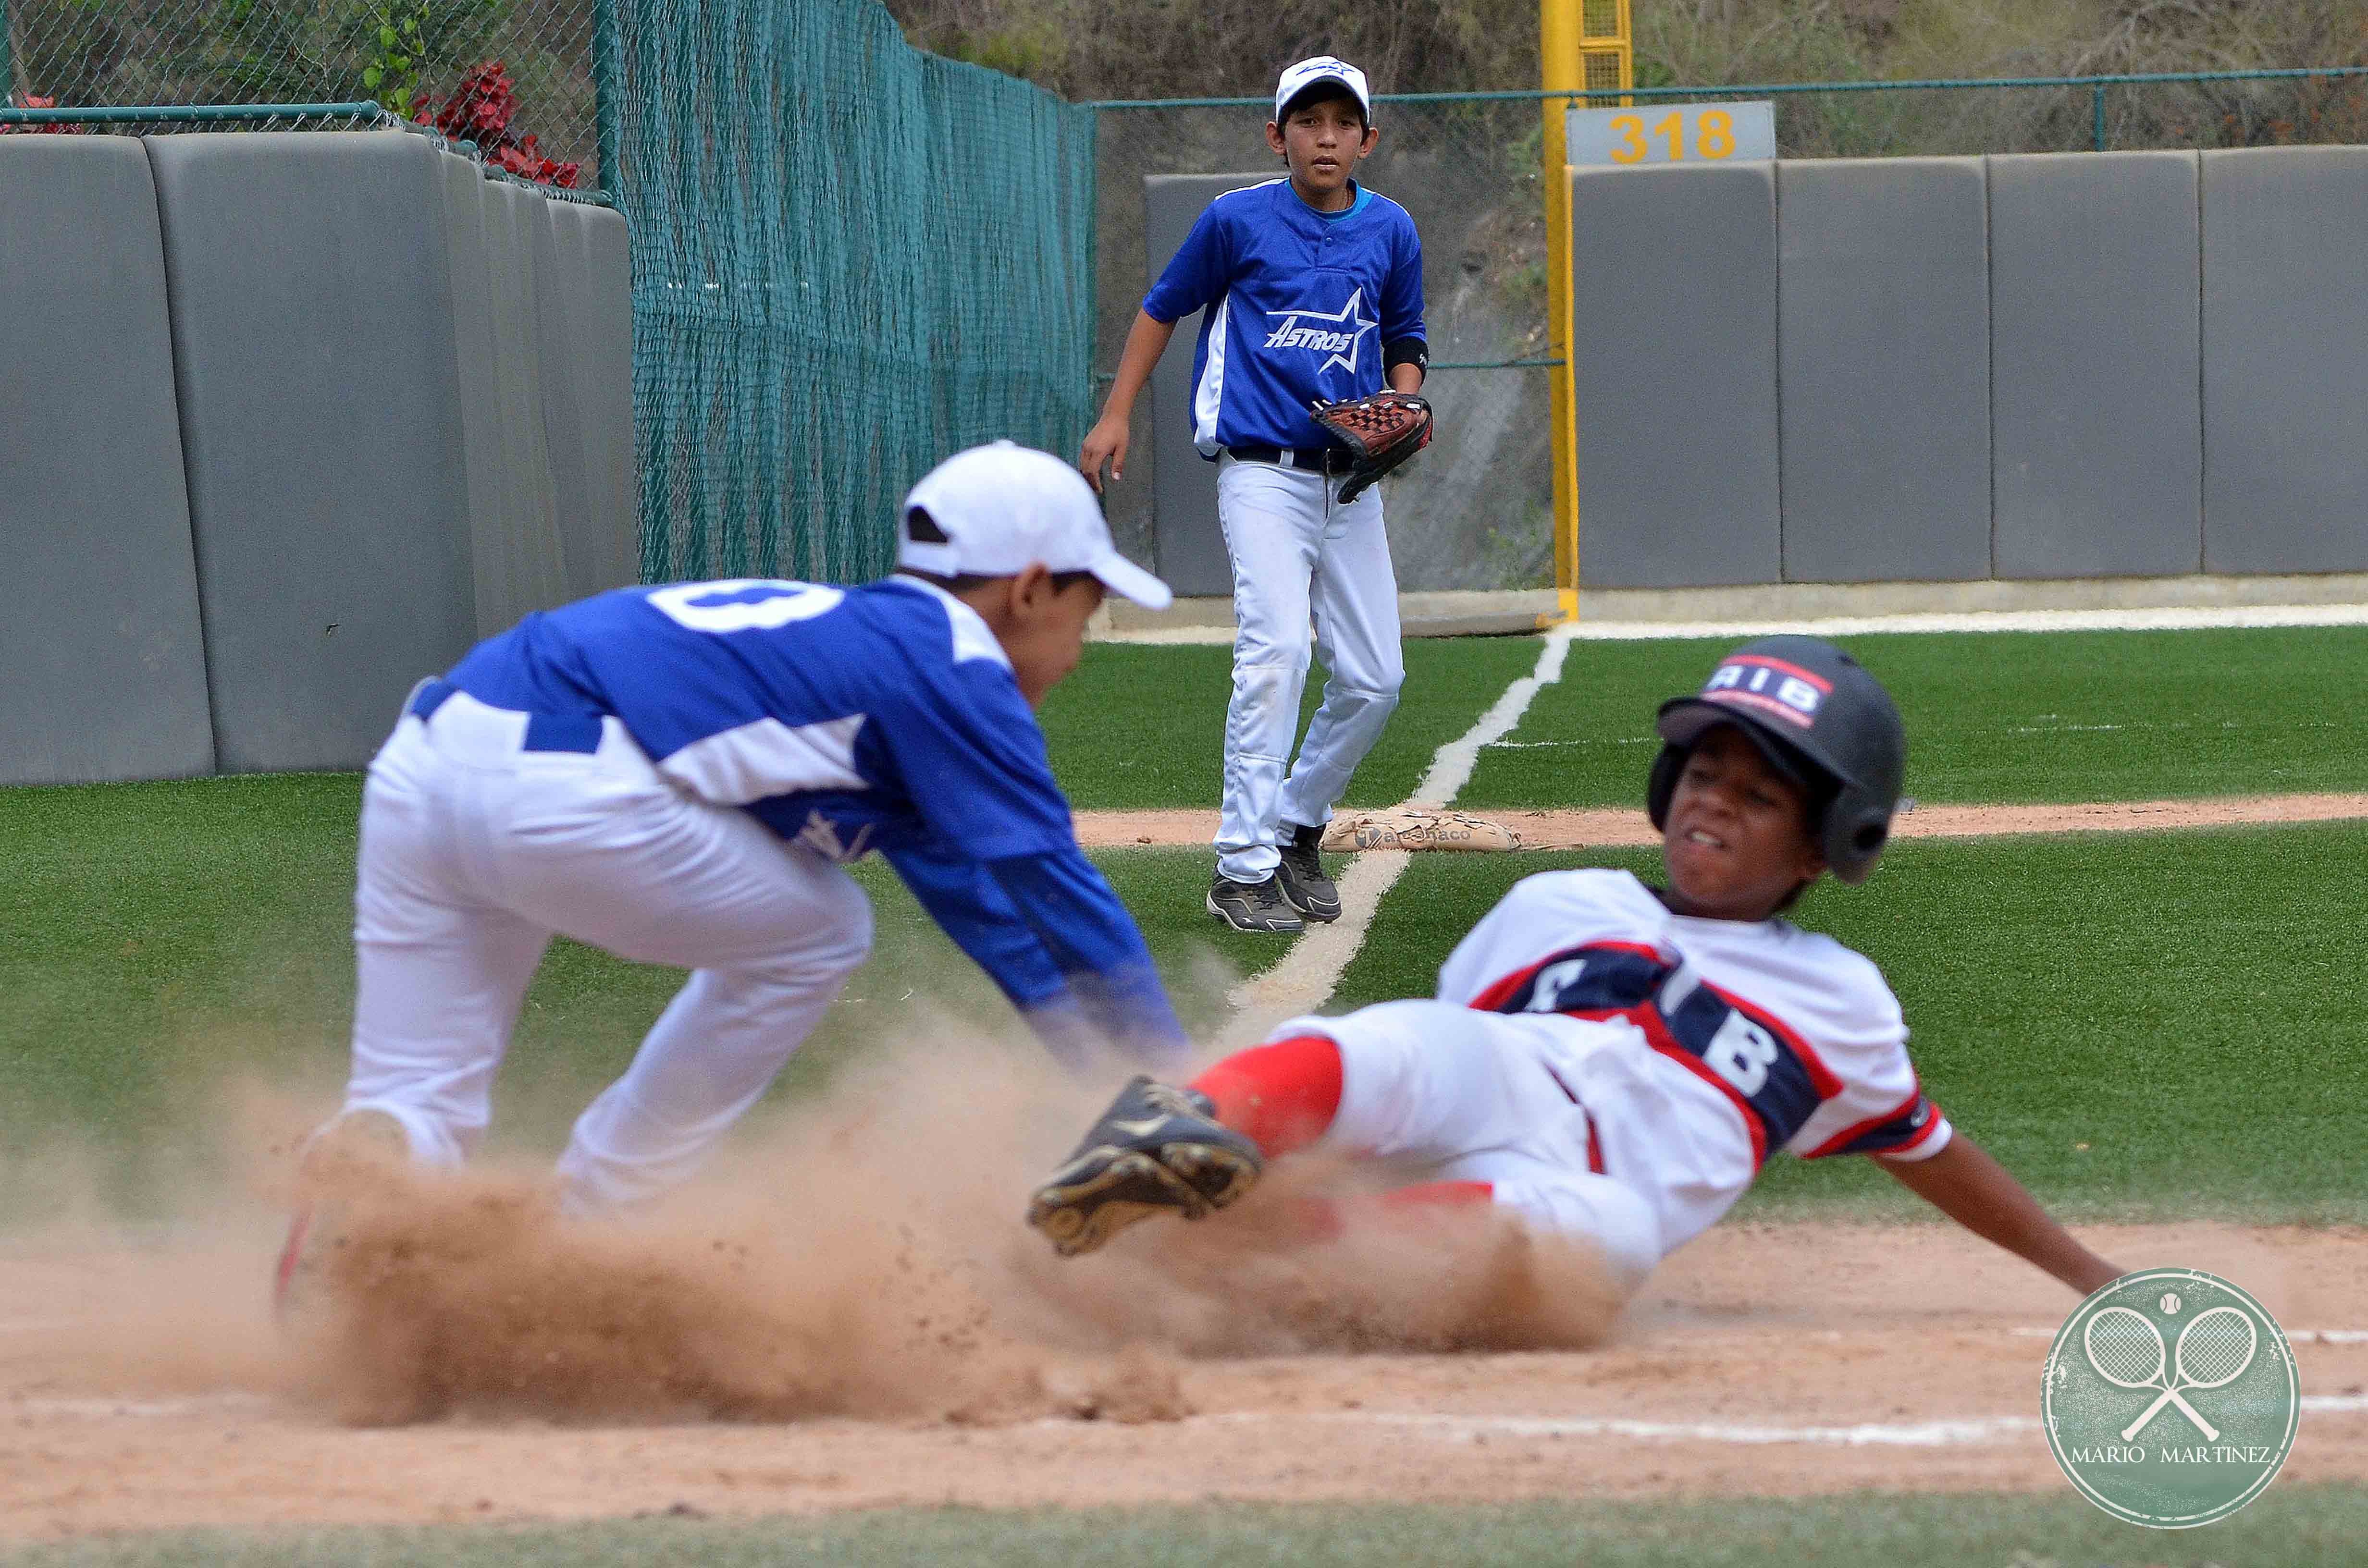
column 1621, row 826
column 829, row 1323
column 1774, row 1359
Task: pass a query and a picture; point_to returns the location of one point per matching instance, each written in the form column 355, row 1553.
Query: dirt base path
column 1621, row 826
column 1785, row 1358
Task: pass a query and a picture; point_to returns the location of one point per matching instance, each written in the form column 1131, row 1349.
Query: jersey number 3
column 743, row 604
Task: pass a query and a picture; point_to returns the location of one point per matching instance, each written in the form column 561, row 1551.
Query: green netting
column 851, row 260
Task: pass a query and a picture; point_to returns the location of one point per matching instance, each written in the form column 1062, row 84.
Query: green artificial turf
column 2292, row 1526
column 2145, row 1026
column 1997, row 717
column 1143, row 726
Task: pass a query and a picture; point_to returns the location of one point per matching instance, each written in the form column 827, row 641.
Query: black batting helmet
column 1820, row 718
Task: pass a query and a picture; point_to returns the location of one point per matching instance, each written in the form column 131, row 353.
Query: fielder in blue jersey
column 678, row 774
column 1312, row 288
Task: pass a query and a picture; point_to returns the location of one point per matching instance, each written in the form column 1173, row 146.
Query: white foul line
column 1960, row 1432
column 1308, row 973
column 2188, row 618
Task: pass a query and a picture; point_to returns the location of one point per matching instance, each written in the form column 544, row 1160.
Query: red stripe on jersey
column 1657, row 1035
column 1860, row 1129
column 1821, row 1077
column 1489, row 999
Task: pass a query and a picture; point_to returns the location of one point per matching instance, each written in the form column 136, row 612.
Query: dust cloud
column 859, row 1254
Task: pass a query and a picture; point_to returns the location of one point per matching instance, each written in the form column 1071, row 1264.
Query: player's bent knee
column 1602, row 1213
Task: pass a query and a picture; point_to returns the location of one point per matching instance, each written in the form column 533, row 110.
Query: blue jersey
column 848, row 719
column 1300, row 305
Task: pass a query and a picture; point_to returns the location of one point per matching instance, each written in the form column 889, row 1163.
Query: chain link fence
column 1476, row 511
column 851, row 260
column 408, row 55
column 825, row 219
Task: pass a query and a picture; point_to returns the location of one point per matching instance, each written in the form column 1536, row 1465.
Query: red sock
column 1283, row 1095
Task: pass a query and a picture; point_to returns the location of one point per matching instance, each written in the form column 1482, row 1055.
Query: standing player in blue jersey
column 678, row 775
column 1313, row 289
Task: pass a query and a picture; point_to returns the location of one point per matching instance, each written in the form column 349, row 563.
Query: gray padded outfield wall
column 514, row 529
column 311, row 414
column 1192, row 556
column 2096, row 362
column 400, row 437
column 102, row 666
column 1674, row 270
column 588, row 348
column 2285, row 359
column 1884, row 360
column 2064, row 366
column 320, row 404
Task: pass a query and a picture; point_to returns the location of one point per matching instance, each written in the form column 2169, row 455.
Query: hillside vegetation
column 1158, row 49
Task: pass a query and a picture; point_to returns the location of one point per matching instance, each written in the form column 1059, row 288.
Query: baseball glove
column 1416, row 827
column 1381, row 432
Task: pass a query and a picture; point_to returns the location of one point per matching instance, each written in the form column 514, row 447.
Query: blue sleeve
column 971, row 907
column 971, row 757
column 1402, row 289
column 1092, row 982
column 1094, row 942
column 1197, row 275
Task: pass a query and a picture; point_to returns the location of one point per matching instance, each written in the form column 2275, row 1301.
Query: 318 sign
column 1671, row 134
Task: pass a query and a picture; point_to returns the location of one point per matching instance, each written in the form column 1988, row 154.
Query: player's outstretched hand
column 1106, row 442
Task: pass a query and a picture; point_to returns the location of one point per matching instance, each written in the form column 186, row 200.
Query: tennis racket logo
column 2182, row 1340
column 2126, row 1350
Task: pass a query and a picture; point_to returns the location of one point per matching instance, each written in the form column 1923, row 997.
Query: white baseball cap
column 995, row 510
column 1297, row 79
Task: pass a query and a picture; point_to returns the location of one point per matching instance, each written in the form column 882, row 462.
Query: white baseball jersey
column 1747, row 1037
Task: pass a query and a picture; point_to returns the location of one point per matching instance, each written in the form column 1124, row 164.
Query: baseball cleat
column 1256, row 906
column 1301, row 876
column 353, row 1152
column 1155, row 1150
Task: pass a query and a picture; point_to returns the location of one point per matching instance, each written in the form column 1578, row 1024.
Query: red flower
column 34, row 100
column 480, row 110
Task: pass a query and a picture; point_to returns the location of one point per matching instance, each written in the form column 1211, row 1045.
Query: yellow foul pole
column 1581, row 43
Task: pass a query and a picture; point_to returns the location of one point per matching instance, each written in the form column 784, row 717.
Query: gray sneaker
column 1253, row 906
column 1304, row 885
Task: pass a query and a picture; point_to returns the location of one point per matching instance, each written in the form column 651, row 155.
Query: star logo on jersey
column 821, row 836
column 1337, row 335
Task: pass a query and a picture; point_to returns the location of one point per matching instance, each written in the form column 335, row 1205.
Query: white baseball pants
column 474, row 851
column 1296, row 553
column 1455, row 1095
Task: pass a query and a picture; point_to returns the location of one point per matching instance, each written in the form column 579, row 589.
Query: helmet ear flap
column 1661, row 786
column 1856, row 829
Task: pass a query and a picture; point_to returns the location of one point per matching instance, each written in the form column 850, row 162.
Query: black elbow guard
column 1406, row 351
